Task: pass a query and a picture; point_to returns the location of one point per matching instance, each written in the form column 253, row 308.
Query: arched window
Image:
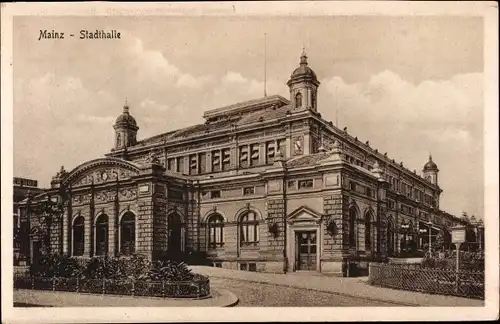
column 249, row 229
column 298, row 100
column 174, row 226
column 352, row 227
column 215, row 231
column 78, row 236
column 101, row 235
column 313, row 99
column 127, row 234
column 368, row 231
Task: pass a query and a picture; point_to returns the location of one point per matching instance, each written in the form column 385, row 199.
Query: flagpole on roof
column 265, row 64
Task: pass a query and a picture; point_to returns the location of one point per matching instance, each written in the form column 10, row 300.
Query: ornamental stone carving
column 152, row 157
column 129, row 193
column 81, row 199
column 102, row 196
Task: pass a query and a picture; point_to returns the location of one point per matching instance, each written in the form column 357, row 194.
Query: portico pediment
column 101, row 171
column 304, row 214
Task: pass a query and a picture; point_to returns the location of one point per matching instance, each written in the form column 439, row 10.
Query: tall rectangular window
column 254, row 158
column 270, row 152
column 202, row 162
column 216, row 159
column 193, row 164
column 282, row 147
column 180, row 164
column 243, row 154
column 226, row 159
column 171, row 164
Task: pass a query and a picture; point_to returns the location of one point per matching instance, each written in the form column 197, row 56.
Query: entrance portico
column 304, row 237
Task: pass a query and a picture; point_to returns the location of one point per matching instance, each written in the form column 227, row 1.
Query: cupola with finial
column 125, row 129
column 303, row 86
column 430, row 171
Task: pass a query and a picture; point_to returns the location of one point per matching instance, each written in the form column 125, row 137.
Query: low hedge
column 135, row 267
column 199, row 287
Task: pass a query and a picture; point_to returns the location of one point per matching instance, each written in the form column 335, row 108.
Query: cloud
column 410, row 120
column 65, row 118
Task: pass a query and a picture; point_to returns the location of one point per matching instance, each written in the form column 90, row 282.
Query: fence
column 413, row 277
column 197, row 288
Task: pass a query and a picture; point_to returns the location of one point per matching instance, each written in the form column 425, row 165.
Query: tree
column 48, row 211
column 438, row 243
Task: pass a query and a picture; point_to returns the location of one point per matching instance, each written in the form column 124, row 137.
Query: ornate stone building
column 262, row 185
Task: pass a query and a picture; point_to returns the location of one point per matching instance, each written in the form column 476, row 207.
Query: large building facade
column 263, row 185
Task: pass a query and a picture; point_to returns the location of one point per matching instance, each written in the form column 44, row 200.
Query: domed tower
column 431, row 171
column 125, row 129
column 303, row 86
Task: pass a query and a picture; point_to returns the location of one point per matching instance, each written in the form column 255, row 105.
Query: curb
column 233, row 300
column 225, row 298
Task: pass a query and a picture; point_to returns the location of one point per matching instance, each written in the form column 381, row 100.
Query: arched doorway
column 127, row 234
column 101, row 235
column 78, row 236
column 36, row 245
column 175, row 235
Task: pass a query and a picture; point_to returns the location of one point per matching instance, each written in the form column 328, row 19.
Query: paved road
column 259, row 294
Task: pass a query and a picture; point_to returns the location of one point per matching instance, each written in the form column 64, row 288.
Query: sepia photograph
column 304, row 159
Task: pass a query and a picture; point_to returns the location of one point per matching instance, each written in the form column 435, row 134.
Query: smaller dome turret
column 125, row 119
column 303, row 85
column 304, row 70
column 430, row 165
column 430, row 171
column 125, row 129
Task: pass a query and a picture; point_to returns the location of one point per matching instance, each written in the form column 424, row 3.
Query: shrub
column 170, row 271
column 136, row 267
column 468, row 260
column 54, row 265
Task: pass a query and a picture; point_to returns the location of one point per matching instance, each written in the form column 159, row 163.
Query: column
column 66, row 232
column 208, row 162
column 186, row 164
column 288, row 148
column 307, row 144
column 262, row 153
column 220, row 160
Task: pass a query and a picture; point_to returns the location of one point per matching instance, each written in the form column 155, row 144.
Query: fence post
column 77, row 284
column 133, row 287
column 103, row 285
column 53, row 283
column 32, row 283
column 163, row 288
column 457, row 268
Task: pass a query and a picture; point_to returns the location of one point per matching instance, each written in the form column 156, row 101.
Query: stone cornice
column 370, row 151
column 256, row 126
column 111, row 162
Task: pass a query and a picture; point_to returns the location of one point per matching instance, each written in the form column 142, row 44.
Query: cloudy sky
column 410, row 85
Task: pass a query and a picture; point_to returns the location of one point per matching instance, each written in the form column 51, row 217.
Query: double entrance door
column 305, row 250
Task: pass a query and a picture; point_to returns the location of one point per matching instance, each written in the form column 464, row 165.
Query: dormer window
column 298, row 100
